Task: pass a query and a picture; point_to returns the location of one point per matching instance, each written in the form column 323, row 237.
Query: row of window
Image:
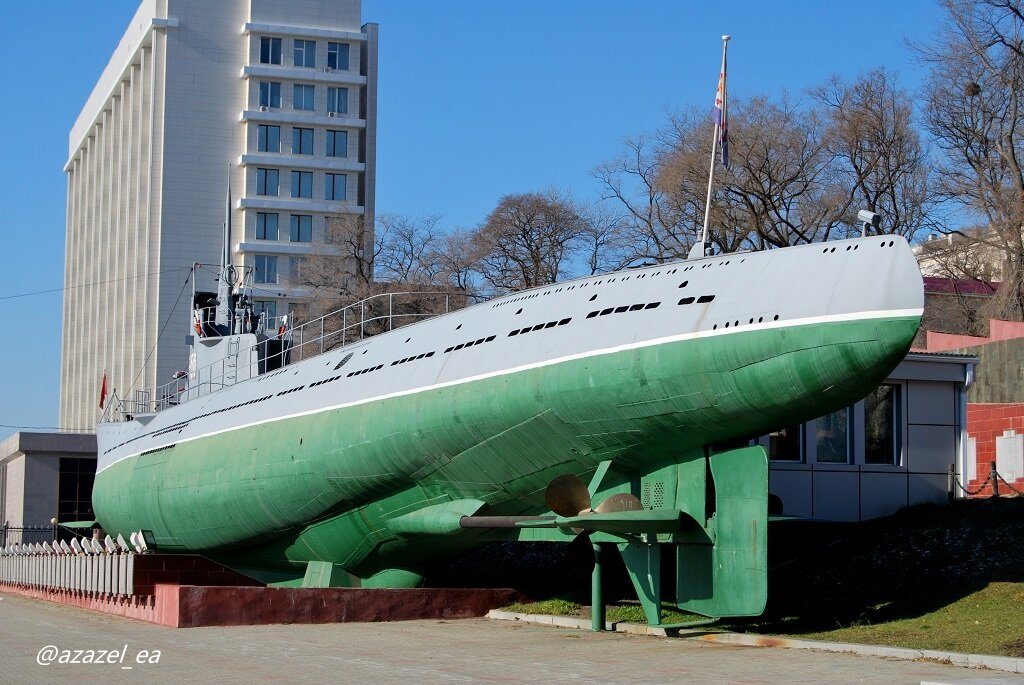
column 267, row 269
column 304, row 97
column 833, row 434
column 268, row 183
column 300, row 229
column 268, row 139
column 304, row 53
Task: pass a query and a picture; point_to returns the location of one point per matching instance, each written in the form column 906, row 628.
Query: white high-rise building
column 279, row 96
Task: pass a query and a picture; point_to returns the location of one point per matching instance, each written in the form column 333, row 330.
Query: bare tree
column 527, row 240
column 973, row 110
column 605, row 241
column 779, row 188
column 878, row 152
column 406, row 244
column 651, row 223
column 452, row 260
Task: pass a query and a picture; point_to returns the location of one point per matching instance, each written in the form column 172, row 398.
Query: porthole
column 593, row 297
column 684, row 284
column 776, row 317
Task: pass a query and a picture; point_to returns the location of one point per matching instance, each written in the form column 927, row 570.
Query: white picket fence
column 100, row 574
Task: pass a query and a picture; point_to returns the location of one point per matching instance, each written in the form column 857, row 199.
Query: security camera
column 868, row 218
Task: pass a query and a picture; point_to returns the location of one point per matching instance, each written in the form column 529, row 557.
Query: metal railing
column 16, row 535
column 289, row 344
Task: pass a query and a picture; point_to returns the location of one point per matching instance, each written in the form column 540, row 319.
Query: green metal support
column 597, row 613
column 325, row 574
column 643, row 563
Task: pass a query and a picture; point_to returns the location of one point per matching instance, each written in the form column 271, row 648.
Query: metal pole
column 597, row 613
column 714, row 149
column 344, row 324
column 362, row 317
column 391, row 311
column 993, row 476
column 321, row 335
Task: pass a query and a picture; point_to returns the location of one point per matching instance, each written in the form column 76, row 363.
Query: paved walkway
column 413, row 652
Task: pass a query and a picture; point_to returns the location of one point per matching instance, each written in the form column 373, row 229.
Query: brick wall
column 986, row 425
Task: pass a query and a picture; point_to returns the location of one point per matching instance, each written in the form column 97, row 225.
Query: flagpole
column 714, row 150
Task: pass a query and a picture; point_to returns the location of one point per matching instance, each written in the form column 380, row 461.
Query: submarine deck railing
column 285, row 345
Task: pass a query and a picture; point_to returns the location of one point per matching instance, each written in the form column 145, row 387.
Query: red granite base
column 189, row 606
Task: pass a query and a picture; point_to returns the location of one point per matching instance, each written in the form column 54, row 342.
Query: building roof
column 962, row 286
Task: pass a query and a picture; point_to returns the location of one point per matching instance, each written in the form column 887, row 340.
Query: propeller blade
column 622, row 501
column 567, row 495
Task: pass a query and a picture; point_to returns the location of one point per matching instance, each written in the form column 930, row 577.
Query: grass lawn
column 989, row 621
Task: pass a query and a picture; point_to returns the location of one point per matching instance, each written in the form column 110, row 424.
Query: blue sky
column 478, row 98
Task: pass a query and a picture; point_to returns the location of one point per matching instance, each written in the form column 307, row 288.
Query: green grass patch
column 551, row 607
column 628, row 612
column 989, row 621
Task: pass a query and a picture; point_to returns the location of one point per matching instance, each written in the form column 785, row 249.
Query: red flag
column 103, row 390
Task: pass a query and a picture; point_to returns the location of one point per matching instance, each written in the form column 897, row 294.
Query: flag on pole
column 722, row 115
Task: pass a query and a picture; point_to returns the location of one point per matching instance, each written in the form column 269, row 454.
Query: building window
column 832, row 437
column 337, row 56
column 303, row 97
column 335, row 187
column 305, row 53
column 268, row 139
column 266, row 268
column 267, row 181
column 270, row 50
column 786, row 444
column 337, row 143
column 296, row 269
column 302, row 228
column 337, row 100
column 302, row 184
column 270, row 94
column 268, row 307
column 882, row 425
column 302, row 141
column 74, row 485
column 266, row 226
